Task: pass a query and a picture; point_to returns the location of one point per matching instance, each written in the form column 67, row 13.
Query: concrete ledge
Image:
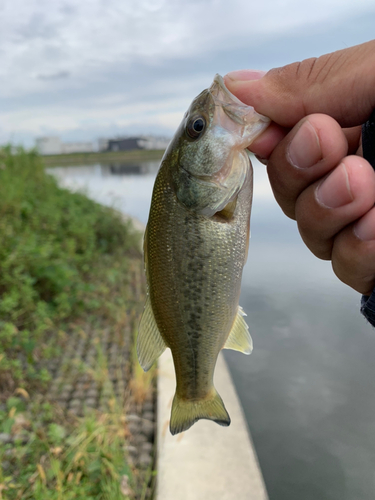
column 207, row 462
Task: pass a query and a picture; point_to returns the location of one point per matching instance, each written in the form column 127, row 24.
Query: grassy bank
column 64, row 270
column 106, row 157
column 61, row 257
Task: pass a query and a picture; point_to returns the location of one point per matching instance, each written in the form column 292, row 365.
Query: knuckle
column 312, row 228
column 283, row 198
column 321, row 248
column 286, row 205
column 348, row 251
column 289, row 210
column 352, row 261
column 286, row 185
column 284, row 79
column 303, row 74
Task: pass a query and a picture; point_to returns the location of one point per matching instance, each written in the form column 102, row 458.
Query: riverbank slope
column 71, row 287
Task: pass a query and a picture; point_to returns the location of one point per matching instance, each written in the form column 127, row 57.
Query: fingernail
column 304, row 151
column 364, row 229
column 334, row 191
column 246, row 74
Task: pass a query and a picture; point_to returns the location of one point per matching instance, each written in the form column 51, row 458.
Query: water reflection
column 129, row 169
column 308, row 389
column 126, row 190
column 106, row 170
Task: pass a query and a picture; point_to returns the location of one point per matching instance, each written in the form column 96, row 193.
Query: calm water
column 308, row 389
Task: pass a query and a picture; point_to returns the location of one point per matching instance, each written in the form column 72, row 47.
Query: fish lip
column 219, row 80
column 236, row 110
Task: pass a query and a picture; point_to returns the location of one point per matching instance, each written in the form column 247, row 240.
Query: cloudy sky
column 95, row 68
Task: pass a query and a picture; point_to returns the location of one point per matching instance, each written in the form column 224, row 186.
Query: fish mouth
column 237, row 111
column 218, row 83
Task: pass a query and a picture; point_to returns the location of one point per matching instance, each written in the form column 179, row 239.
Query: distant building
column 49, row 145
column 123, row 144
column 151, row 142
column 54, row 146
column 77, row 147
column 142, row 142
column 102, row 144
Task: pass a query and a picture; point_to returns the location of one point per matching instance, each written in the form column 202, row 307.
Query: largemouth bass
column 195, row 247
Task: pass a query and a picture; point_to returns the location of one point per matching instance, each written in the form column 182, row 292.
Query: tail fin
column 186, row 412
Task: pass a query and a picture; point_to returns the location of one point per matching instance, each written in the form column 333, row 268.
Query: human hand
column 313, row 153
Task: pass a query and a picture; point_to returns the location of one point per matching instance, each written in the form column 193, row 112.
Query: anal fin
column 150, row 344
column 239, row 338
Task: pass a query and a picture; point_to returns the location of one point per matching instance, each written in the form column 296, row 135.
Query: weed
column 62, row 461
column 62, row 256
column 64, row 269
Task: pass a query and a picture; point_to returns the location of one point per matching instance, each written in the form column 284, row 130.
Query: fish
column 195, row 247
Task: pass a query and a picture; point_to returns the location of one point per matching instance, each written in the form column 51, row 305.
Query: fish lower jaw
column 207, row 179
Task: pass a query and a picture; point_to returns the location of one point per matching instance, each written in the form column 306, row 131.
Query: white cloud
column 40, row 37
column 57, row 120
column 67, row 56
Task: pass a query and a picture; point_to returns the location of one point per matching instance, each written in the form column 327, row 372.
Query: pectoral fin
column 150, row 344
column 228, row 211
column 239, row 338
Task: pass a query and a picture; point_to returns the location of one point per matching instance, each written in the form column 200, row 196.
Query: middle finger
column 311, row 150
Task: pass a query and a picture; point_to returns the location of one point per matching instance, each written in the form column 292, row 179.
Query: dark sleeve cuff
column 368, row 146
column 368, row 307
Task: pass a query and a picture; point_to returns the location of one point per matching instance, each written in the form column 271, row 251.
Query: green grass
column 64, row 264
column 106, row 157
column 63, row 462
column 61, row 256
column 64, row 457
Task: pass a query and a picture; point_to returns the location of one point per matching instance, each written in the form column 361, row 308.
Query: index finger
column 340, row 84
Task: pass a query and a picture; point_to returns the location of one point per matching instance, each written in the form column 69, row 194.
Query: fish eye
column 195, row 127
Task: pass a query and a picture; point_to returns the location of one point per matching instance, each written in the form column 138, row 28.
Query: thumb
column 340, row 84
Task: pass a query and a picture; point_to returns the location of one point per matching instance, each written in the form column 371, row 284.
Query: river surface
column 308, row 389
